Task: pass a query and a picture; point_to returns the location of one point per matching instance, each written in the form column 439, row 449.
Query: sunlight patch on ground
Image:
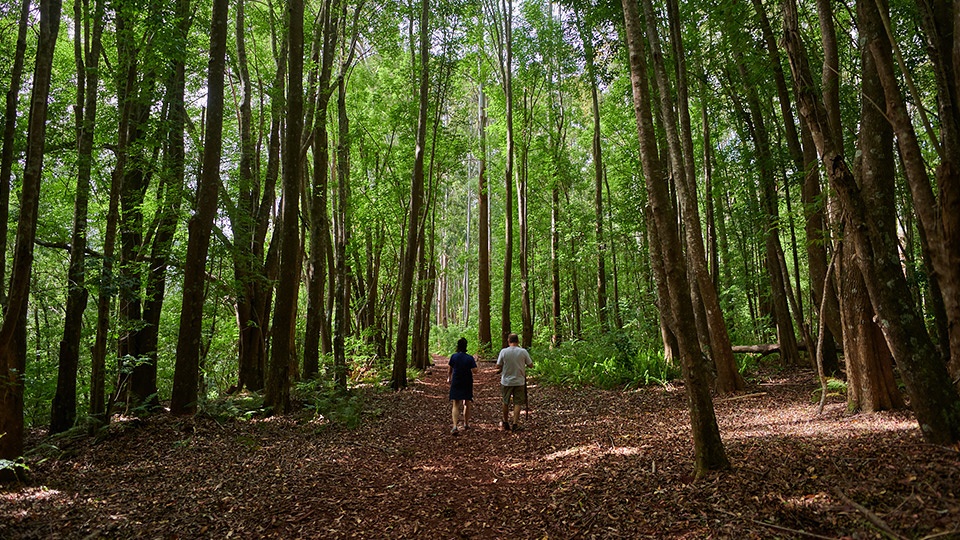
column 802, row 420
column 593, row 451
column 31, row 494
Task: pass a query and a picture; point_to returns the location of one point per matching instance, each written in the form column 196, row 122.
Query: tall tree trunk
column 556, row 328
column 709, row 453
column 277, row 395
column 13, row 330
column 250, row 219
column 344, row 224
column 484, row 333
column 9, row 131
column 870, row 378
column 172, row 188
column 586, row 37
column 682, row 167
column 398, row 378
column 64, row 406
column 327, row 33
column 941, row 23
column 183, row 399
column 786, row 335
column 934, row 400
column 504, row 30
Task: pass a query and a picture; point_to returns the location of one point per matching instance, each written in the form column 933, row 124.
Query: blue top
column 461, row 380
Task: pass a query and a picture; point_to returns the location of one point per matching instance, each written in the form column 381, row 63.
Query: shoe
column 455, row 431
column 505, row 426
column 516, row 427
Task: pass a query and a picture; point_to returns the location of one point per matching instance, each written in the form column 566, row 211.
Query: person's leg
column 516, row 413
column 455, row 413
column 467, row 405
column 505, row 407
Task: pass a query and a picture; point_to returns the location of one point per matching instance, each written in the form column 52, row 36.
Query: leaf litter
column 590, row 463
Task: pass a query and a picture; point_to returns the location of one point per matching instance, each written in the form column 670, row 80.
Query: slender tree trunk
column 250, row 220
column 506, row 76
column 9, row 131
column 681, row 160
column 557, row 332
column 13, row 330
column 184, row 397
column 586, row 37
column 408, row 264
column 173, row 185
column 768, row 202
column 708, row 448
column 933, row 399
column 327, row 33
column 277, row 395
column 64, row 406
column 483, row 244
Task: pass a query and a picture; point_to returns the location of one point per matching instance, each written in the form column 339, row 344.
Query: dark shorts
column 461, row 392
column 519, row 394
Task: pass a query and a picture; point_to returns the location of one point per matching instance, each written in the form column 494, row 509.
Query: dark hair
column 513, row 338
column 462, row 345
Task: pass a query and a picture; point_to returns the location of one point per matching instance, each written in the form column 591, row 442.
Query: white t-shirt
column 515, row 361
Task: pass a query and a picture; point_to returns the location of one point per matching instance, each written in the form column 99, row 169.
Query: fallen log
column 763, row 349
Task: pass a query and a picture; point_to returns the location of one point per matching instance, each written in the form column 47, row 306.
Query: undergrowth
column 613, row 361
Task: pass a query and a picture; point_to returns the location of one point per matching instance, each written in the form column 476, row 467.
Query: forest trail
column 590, row 464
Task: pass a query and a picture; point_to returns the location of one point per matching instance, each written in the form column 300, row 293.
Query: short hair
column 513, row 338
column 462, row 345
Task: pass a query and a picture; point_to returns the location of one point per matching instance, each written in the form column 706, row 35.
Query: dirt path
column 591, row 464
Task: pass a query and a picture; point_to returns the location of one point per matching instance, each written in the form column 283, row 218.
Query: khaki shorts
column 518, row 392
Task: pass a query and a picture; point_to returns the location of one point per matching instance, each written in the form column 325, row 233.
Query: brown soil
column 589, row 464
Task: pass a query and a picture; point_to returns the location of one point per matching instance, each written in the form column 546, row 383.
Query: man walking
column 512, row 364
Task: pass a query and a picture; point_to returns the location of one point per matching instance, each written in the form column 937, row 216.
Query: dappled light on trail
column 588, row 463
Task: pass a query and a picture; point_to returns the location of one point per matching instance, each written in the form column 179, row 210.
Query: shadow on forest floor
column 589, row 464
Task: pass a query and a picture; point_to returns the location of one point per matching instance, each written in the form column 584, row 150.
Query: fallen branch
column 875, row 519
column 778, row 527
column 744, row 396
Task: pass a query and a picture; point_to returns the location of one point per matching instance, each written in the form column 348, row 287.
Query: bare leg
column 467, row 405
column 516, row 413
column 455, row 412
column 505, row 410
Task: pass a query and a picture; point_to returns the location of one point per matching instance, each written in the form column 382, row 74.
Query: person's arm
column 449, row 372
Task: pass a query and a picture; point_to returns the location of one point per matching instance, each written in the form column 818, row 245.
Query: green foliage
column 240, row 406
column 612, row 361
column 328, row 404
column 835, row 387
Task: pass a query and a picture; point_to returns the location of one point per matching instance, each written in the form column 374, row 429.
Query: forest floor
column 589, row 464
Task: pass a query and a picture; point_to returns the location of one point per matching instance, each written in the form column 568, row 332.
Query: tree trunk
column 327, row 33
column 13, row 330
column 409, row 261
column 870, row 377
column 172, row 187
column 277, row 395
column 250, row 219
column 484, row 333
column 586, row 37
column 9, row 131
column 769, row 205
column 708, row 448
column 934, row 400
column 939, row 220
column 506, row 77
column 64, row 406
column 183, row 399
column 682, row 167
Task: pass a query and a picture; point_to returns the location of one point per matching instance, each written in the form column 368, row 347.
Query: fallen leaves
column 590, row 464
